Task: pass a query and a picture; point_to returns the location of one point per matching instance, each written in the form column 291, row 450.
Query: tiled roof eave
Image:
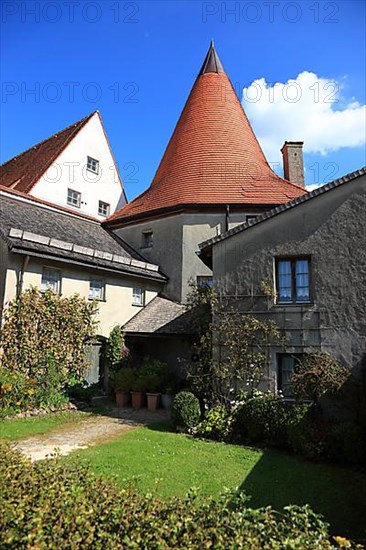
column 206, row 245
column 180, row 208
column 128, row 271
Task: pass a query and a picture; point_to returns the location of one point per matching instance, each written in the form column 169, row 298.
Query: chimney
column 293, row 165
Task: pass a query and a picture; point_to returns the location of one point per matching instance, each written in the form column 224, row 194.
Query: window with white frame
column 138, row 296
column 103, row 209
column 97, row 289
column 92, row 165
column 51, row 279
column 73, row 198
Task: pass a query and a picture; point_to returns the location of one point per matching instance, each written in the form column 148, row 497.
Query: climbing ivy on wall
column 38, row 326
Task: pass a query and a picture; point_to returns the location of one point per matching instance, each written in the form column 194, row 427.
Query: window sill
column 137, row 305
column 293, row 304
column 93, row 171
column 97, row 299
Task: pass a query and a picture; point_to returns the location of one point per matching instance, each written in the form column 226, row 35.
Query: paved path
column 93, row 430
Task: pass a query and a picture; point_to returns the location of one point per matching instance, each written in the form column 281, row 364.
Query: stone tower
column 213, row 175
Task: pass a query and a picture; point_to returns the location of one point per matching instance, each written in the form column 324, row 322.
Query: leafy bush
column 317, row 374
column 306, row 435
column 65, row 506
column 118, row 355
column 17, row 392
column 346, row 443
column 217, row 424
column 263, row 417
column 185, row 410
column 38, row 326
column 123, row 379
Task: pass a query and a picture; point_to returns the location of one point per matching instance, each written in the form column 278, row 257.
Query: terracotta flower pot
column 138, row 399
column 122, row 398
column 153, row 401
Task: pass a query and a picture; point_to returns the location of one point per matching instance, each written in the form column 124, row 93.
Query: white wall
column 69, row 171
column 117, row 307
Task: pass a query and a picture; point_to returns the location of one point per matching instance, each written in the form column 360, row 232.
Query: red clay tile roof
column 213, row 156
column 23, row 171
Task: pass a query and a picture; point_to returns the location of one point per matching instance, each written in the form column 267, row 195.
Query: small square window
column 147, row 239
column 204, row 280
column 293, row 280
column 73, row 198
column 92, row 165
column 138, row 296
column 51, row 279
column 103, row 209
column 97, row 289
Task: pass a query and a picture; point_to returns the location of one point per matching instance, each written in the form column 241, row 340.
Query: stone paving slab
column 93, row 430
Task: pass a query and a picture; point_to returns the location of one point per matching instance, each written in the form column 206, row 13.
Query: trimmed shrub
column 346, row 443
column 217, row 424
column 262, row 418
column 59, row 505
column 185, row 410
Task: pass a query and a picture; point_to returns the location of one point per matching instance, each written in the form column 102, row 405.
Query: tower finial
column 212, row 63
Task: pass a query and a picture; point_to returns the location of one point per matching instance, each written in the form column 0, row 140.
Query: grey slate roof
column 204, row 246
column 161, row 317
column 29, row 227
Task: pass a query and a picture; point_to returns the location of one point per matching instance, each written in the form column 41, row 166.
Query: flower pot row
column 138, row 399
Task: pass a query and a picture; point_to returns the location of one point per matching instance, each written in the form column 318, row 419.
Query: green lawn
column 20, row 428
column 169, row 464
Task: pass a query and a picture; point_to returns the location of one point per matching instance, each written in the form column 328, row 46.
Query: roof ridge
column 82, row 120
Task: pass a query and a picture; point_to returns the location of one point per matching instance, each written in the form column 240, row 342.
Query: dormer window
column 92, row 165
column 103, row 209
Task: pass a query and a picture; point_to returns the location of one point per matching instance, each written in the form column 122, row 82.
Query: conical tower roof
column 213, row 157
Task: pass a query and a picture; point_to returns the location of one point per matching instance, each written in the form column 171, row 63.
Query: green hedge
column 55, row 505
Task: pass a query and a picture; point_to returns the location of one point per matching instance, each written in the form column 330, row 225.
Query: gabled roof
column 31, row 227
column 206, row 246
column 161, row 317
column 213, row 156
column 23, row 171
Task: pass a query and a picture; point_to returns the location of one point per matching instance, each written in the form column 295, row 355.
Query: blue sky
column 136, row 62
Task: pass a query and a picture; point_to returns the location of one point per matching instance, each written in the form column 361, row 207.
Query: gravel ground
column 91, row 431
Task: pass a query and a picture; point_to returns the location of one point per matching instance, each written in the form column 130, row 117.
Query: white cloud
column 307, row 108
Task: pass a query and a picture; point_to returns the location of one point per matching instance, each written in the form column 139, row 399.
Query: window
column 250, row 217
column 147, row 239
column 293, row 280
column 138, row 296
column 97, row 289
column 204, row 280
column 73, row 198
column 286, row 365
column 51, row 279
column 92, row 165
column 103, row 209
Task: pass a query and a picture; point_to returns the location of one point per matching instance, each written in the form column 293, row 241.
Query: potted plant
column 138, row 390
column 122, row 383
column 153, row 384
